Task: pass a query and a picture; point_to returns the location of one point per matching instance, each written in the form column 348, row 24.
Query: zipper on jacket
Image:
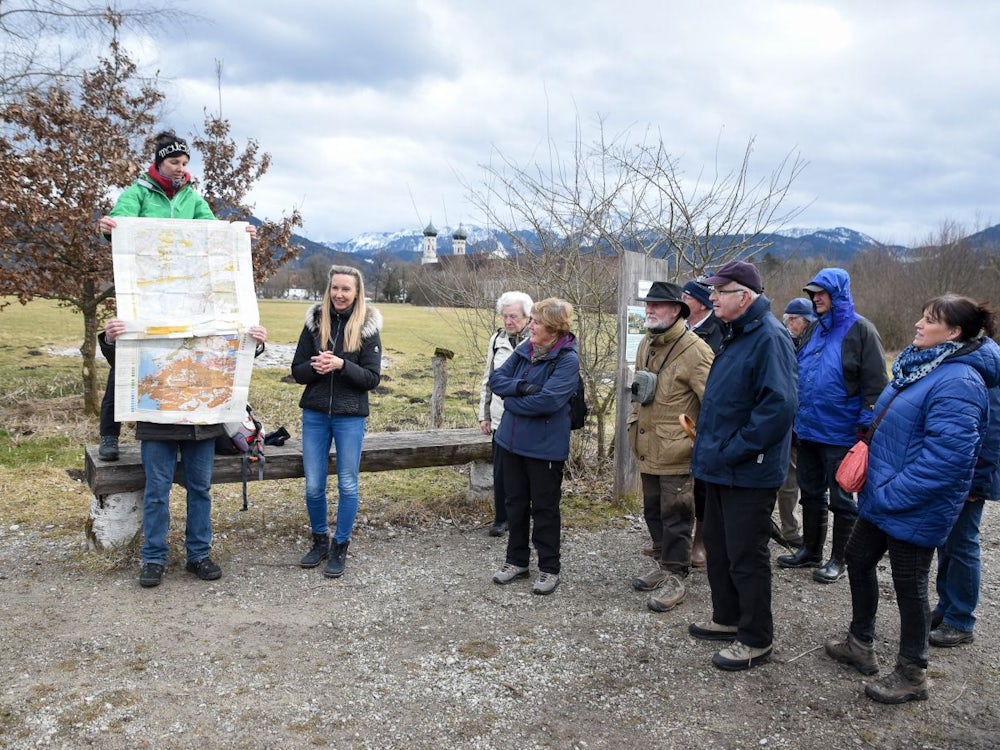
column 329, row 408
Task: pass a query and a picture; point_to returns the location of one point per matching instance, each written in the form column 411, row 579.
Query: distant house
column 297, row 293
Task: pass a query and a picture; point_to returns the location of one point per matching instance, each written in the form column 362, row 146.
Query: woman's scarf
column 536, row 352
column 913, row 363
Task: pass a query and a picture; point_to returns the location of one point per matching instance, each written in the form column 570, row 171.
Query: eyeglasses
column 727, row 291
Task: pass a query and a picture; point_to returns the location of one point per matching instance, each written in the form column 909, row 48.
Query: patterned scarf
column 913, row 363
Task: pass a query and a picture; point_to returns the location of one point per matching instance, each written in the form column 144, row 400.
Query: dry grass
column 44, row 431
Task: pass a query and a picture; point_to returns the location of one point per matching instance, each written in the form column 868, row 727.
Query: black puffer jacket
column 345, row 391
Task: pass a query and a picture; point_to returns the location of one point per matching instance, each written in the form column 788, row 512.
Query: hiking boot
column 652, row 580
column 499, row 528
column 854, row 652
column 204, row 568
column 108, row 449
column 653, row 552
column 712, row 631
column 945, row 636
column 907, row 682
column 737, row 656
column 507, row 573
column 671, row 594
column 150, row 575
column 545, row 583
column 319, row 552
column 338, row 559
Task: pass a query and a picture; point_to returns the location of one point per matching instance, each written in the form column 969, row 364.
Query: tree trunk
column 88, row 373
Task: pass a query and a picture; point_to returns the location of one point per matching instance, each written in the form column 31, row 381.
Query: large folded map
column 185, row 290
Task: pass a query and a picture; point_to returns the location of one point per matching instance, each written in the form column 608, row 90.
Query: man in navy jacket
column 741, row 453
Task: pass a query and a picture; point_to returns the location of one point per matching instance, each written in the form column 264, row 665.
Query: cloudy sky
column 377, row 112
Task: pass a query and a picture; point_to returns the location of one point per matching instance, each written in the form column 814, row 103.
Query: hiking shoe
column 507, row 573
column 671, row 594
column 907, row 682
column 945, row 636
column 855, row 652
column 150, row 575
column 652, row 580
column 545, row 583
column 712, row 631
column 737, row 656
column 204, row 568
column 108, row 449
column 499, row 528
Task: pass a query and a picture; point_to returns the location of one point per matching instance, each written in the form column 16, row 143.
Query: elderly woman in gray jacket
column 515, row 309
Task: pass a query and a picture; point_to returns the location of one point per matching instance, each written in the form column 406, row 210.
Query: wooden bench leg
column 115, row 520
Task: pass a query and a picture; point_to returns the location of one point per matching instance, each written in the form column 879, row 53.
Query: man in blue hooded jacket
column 841, row 374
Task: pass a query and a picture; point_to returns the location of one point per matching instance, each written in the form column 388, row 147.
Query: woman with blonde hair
column 339, row 360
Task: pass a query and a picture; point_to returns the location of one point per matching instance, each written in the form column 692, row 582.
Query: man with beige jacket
column 672, row 365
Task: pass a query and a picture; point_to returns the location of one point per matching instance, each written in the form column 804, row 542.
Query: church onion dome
column 460, row 233
column 430, row 231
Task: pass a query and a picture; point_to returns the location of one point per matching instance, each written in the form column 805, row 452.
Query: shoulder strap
column 878, row 419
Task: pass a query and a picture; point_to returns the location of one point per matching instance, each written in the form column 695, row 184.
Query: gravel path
column 415, row 647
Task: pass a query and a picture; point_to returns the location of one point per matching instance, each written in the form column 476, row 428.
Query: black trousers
column 108, row 424
column 736, row 531
column 534, row 490
column 499, row 493
column 910, row 571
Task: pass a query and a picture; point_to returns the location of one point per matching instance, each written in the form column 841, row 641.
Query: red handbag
column 853, row 469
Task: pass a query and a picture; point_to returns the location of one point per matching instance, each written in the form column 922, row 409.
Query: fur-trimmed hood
column 373, row 320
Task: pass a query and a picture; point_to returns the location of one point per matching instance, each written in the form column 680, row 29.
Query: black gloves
column 525, row 388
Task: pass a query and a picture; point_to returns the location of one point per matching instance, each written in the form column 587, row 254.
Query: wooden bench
column 116, row 510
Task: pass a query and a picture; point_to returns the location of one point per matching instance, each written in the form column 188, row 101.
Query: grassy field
column 44, row 428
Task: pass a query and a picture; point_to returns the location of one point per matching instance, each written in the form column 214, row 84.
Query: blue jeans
column 319, row 431
column 159, row 461
column 960, row 569
column 911, row 566
column 816, row 472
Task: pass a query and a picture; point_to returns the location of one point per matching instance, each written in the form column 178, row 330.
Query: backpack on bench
column 244, row 439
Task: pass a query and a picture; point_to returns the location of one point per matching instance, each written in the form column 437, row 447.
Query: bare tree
column 47, row 39
column 605, row 198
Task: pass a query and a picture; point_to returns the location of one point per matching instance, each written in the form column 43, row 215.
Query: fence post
column 439, row 364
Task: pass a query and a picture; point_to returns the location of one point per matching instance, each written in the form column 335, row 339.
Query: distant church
column 430, row 255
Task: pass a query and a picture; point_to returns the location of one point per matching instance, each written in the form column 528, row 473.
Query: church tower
column 458, row 240
column 430, row 245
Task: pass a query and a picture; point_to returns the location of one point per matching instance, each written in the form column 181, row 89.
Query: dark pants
column 108, row 424
column 668, row 507
column 499, row 495
column 816, row 473
column 910, row 571
column 699, row 500
column 737, row 529
column 534, row 489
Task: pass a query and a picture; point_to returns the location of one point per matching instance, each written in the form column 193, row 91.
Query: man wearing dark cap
column 672, row 364
column 841, row 374
column 741, row 453
column 703, row 322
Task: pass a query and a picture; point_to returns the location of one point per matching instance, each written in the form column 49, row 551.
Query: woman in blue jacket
column 536, row 383
column 920, row 468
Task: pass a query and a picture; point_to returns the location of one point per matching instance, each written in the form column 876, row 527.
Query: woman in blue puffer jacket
column 920, row 468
